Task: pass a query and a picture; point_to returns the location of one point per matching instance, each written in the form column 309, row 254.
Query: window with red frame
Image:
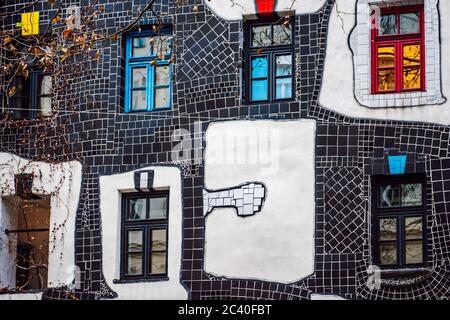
column 398, row 63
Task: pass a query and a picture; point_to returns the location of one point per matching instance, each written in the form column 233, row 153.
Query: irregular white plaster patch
column 236, row 9
column 317, row 296
column 277, row 244
column 247, row 199
column 21, row 296
column 111, row 190
column 63, row 182
column 339, row 70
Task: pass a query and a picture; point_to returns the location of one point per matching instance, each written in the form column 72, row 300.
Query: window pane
column 161, row 45
column 45, row 85
column 139, row 77
column 409, row 22
column 411, row 78
column 259, row 90
column 284, row 65
column 259, row 67
column 141, row 46
column 386, row 57
column 139, row 99
column 411, row 194
column 386, row 80
column 21, row 108
column 22, row 86
column 261, row 36
column 388, row 229
column 158, row 208
column 387, row 24
column 45, row 106
column 159, row 240
column 411, row 55
column 135, row 241
column 389, row 195
column 134, row 264
column 413, row 228
column 162, row 98
column 414, row 251
column 162, row 75
column 137, row 209
column 282, row 34
column 284, row 88
column 158, row 264
column 388, row 253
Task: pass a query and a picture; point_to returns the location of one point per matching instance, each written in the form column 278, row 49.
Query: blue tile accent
column 397, row 164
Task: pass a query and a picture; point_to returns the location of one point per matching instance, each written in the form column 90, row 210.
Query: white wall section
column 111, row 189
column 63, row 182
column 277, row 244
column 339, row 69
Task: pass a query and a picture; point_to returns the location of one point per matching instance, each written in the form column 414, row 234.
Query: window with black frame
column 144, row 235
column 399, row 219
column 270, row 57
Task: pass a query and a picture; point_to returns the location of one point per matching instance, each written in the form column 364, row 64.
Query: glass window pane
column 388, row 253
column 158, row 208
column 139, row 77
column 141, row 46
column 284, row 65
column 158, row 264
column 22, row 86
column 159, row 240
column 137, row 209
column 386, row 57
column 162, row 98
column 162, row 45
column 134, row 264
column 389, row 195
column 411, row 194
column 259, row 67
column 413, row 228
column 261, row 36
column 135, row 241
column 21, row 108
column 411, row 78
column 411, row 55
column 387, row 24
column 388, row 229
column 414, row 251
column 45, row 106
column 45, row 85
column 162, row 75
column 386, row 80
column 139, row 99
column 282, row 34
column 259, row 90
column 409, row 22
column 284, row 88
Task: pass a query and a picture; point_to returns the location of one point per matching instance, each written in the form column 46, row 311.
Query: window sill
column 13, row 291
column 402, row 277
column 128, row 281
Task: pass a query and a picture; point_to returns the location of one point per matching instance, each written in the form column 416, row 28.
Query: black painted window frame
column 399, row 213
column 33, row 95
column 146, row 226
column 271, row 51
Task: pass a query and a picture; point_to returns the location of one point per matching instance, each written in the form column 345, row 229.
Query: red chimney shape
column 265, row 6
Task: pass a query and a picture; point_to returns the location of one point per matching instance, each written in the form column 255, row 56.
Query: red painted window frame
column 398, row 41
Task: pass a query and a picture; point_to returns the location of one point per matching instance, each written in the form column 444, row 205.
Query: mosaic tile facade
column 94, row 129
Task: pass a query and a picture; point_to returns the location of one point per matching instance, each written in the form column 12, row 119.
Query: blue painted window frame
column 148, row 63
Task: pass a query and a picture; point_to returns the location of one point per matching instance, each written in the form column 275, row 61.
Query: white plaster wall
column 339, row 72
column 277, row 243
column 21, row 296
column 64, row 182
column 317, row 296
column 111, row 189
column 236, row 9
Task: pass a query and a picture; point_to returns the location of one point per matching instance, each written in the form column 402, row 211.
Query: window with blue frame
column 148, row 71
column 269, row 50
